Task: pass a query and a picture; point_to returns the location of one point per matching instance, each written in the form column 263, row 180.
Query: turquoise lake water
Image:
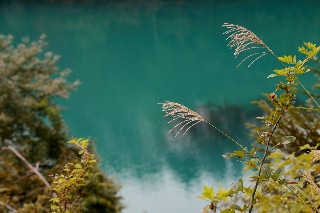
column 130, row 56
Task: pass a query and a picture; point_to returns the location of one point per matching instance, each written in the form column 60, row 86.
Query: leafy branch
column 73, row 177
column 262, row 163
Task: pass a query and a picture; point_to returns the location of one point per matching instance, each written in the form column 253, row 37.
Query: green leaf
column 235, row 154
column 54, row 200
column 73, row 141
column 287, row 139
column 276, row 175
column 251, row 164
column 240, row 185
column 84, row 143
column 280, row 72
column 311, row 51
column 228, row 155
column 272, row 75
column 236, row 207
column 266, row 171
column 310, row 45
column 306, row 146
column 78, row 166
column 239, row 154
column 208, row 193
column 228, row 211
column 288, row 59
column 54, row 207
column 299, row 70
column 303, row 50
column 92, row 161
column 252, row 152
column 279, row 171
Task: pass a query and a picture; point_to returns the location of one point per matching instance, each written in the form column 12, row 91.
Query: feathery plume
column 242, row 39
column 185, row 116
column 187, row 119
column 315, row 156
column 310, row 180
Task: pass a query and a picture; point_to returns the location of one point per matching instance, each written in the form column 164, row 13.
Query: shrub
column 31, row 125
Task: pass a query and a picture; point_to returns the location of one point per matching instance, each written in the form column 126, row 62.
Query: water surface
column 131, row 56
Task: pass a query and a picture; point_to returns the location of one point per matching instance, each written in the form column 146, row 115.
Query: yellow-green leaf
column 208, row 193
column 78, row 166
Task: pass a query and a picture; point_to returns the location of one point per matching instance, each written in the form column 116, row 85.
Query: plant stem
column 314, row 100
column 262, row 162
column 301, row 200
column 233, row 140
column 307, row 108
column 225, row 134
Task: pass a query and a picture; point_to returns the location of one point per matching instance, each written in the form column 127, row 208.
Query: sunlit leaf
column 306, row 146
column 240, row 185
column 266, row 171
column 235, row 154
column 272, row 75
column 288, row 59
column 78, row 166
column 276, row 175
column 228, row 211
column 208, row 193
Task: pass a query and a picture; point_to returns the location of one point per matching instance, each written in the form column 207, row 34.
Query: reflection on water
column 163, row 192
column 131, row 55
column 200, row 150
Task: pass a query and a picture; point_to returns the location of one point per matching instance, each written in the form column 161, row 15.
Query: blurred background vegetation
column 31, row 122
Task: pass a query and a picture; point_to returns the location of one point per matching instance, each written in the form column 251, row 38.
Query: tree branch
column 33, row 169
column 8, row 207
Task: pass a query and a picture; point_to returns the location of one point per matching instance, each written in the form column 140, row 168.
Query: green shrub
column 31, row 125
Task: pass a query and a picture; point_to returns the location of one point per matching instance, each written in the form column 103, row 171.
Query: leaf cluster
column 66, row 185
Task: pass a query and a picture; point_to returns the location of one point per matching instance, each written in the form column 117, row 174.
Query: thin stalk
column 313, row 208
column 225, row 134
column 308, row 93
column 233, row 140
column 308, row 108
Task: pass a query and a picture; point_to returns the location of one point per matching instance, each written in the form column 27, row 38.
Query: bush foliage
column 31, row 125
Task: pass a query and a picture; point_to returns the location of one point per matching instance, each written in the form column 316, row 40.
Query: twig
column 307, row 108
column 8, row 207
column 33, row 169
